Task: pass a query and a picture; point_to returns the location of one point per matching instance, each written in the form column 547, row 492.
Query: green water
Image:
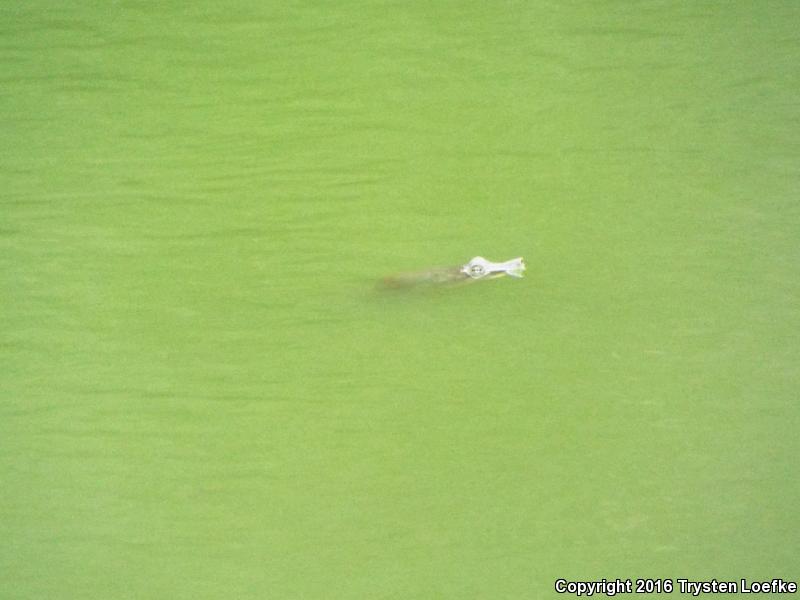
column 203, row 394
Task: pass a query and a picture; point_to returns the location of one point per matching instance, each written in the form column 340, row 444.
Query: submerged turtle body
column 438, row 276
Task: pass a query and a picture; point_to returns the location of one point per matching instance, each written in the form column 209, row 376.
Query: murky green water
column 205, row 396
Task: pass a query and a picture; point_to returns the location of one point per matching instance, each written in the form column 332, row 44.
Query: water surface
column 204, row 395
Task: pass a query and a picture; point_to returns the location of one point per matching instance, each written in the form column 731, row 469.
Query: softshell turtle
column 477, row 268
